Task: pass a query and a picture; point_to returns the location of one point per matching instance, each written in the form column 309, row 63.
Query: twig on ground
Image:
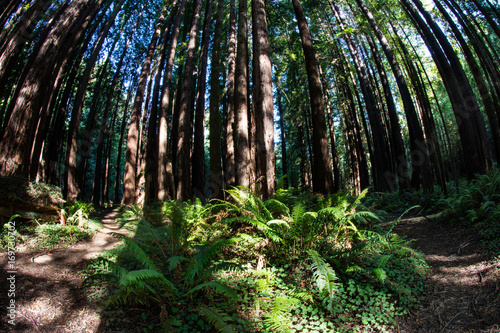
column 30, row 319
column 451, row 320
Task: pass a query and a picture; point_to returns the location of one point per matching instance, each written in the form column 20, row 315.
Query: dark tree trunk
column 15, row 146
column 184, row 141
column 470, row 123
column 485, row 93
column 164, row 173
column 284, row 161
column 198, row 161
column 322, row 174
column 216, row 172
column 118, row 176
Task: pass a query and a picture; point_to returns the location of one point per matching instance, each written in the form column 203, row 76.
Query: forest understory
column 463, row 284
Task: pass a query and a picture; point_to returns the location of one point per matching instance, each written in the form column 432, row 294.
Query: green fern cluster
column 165, row 265
column 477, row 204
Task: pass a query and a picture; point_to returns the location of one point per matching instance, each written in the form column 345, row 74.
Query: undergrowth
column 477, row 205
column 45, row 236
column 293, row 263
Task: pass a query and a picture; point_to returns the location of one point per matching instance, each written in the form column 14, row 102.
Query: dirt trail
column 47, row 298
column 464, row 286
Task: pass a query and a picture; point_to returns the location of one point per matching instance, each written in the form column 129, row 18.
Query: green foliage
column 49, row 236
column 168, row 263
column 325, row 278
column 306, row 264
column 478, row 205
column 78, row 212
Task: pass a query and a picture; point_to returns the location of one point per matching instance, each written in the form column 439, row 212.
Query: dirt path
column 464, row 286
column 46, row 286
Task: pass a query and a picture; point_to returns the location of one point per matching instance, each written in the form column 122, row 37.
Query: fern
column 216, row 318
column 324, row 276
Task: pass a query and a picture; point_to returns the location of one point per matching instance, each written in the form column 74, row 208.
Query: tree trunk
column 163, row 172
column 230, row 173
column 199, row 123
column 263, row 100
column 15, row 146
column 322, row 174
column 184, row 189
column 129, row 179
column 284, row 161
column 242, row 156
column 216, row 171
column 470, row 124
column 118, row 176
column 419, row 156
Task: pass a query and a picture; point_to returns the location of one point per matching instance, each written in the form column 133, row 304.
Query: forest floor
column 464, row 285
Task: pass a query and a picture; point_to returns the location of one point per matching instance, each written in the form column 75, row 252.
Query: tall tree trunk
column 484, row 91
column 242, row 156
column 216, row 171
column 19, row 35
column 199, row 122
column 263, row 100
column 118, row 176
column 230, row 172
column 419, row 156
column 379, row 154
column 129, row 179
column 71, row 189
column 470, row 123
column 322, row 174
column 184, row 141
column 331, row 131
column 164, row 174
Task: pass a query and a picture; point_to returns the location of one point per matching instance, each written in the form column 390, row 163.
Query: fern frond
column 216, row 318
column 324, row 275
column 138, row 253
column 278, row 322
column 143, row 276
column 174, row 261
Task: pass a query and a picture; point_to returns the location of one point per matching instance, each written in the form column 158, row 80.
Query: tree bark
column 129, row 179
column 215, row 123
column 242, row 156
column 198, row 160
column 322, row 174
column 230, row 138
column 263, row 100
column 164, row 174
column 184, row 189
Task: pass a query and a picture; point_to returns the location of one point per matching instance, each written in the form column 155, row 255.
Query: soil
column 47, row 294
column 463, row 290
column 463, row 284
